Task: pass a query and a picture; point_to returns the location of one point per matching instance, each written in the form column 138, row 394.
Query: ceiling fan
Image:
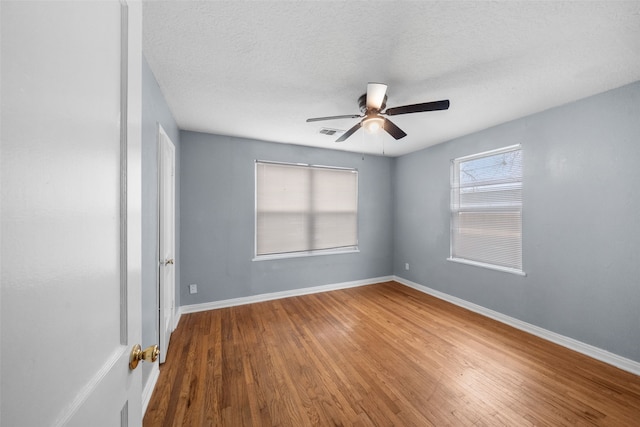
column 371, row 105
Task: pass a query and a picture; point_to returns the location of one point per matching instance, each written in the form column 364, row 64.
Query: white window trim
column 488, row 266
column 488, row 153
column 516, row 271
column 300, row 254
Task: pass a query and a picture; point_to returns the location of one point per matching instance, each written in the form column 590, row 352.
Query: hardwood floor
column 381, row 355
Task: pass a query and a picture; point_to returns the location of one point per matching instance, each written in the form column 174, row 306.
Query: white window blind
column 486, row 209
column 303, row 209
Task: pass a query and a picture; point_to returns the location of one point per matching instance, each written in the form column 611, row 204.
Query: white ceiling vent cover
column 330, row 132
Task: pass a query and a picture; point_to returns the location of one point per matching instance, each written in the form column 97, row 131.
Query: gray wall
column 217, row 220
column 581, row 221
column 154, row 111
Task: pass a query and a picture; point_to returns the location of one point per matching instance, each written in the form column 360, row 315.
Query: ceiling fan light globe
column 373, row 124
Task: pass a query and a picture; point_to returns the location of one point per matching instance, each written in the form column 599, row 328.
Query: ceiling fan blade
column 418, row 108
column 393, row 130
column 348, row 116
column 350, row 132
column 375, row 95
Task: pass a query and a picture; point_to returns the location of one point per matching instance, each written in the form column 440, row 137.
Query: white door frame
column 166, row 239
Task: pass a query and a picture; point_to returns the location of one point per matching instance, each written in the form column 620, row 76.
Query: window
column 305, row 210
column 486, row 209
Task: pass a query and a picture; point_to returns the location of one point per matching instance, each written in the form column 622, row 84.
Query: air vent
column 329, row 131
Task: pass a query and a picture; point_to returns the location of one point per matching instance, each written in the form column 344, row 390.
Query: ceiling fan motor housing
column 362, row 103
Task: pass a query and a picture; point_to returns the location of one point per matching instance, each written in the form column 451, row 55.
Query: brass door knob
column 149, row 354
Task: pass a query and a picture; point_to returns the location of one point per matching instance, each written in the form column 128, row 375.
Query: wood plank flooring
column 378, row 355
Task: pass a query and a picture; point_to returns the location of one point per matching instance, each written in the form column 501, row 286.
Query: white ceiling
column 260, row 69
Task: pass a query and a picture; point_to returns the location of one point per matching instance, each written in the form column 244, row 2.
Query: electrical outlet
column 193, row 289
column 406, row 265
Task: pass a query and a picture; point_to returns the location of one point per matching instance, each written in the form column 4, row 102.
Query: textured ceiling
column 260, row 69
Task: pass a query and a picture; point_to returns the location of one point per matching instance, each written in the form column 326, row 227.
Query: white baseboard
column 194, row 308
column 149, row 387
column 586, row 349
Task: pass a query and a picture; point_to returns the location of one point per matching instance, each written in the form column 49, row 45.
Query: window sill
column 489, row 266
column 306, row 254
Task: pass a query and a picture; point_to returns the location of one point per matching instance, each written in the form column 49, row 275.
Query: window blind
column 304, row 209
column 486, row 208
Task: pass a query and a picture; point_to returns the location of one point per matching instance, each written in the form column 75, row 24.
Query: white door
column 70, row 214
column 167, row 247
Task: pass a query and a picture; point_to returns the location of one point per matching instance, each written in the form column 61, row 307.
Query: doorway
column 166, row 239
